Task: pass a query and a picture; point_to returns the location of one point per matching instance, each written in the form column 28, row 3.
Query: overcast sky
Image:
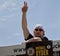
column 45, row 12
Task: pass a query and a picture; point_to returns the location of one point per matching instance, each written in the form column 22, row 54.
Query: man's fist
column 25, row 7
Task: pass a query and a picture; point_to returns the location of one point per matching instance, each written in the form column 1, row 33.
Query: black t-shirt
column 31, row 36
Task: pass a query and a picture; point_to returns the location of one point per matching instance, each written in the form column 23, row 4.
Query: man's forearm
column 24, row 26
column 24, row 21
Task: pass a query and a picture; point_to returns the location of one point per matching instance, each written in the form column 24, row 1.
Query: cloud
column 3, row 19
column 16, row 34
column 8, row 4
column 6, row 17
column 7, row 9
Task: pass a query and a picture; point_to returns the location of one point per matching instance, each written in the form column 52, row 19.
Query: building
column 56, row 48
column 14, row 50
column 19, row 50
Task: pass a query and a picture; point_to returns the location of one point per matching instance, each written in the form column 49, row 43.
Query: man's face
column 38, row 32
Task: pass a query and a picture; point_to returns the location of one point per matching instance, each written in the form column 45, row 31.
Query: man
column 38, row 29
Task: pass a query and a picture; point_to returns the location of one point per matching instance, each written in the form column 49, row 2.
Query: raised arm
column 24, row 21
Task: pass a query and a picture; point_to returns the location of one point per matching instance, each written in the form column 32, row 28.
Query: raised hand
column 25, row 7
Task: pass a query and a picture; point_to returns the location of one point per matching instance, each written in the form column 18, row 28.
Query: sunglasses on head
column 38, row 29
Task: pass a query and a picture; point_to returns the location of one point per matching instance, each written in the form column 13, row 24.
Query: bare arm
column 24, row 21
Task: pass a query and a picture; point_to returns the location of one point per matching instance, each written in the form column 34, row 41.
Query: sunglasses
column 38, row 29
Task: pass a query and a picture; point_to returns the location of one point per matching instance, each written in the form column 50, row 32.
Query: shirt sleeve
column 29, row 37
column 45, row 39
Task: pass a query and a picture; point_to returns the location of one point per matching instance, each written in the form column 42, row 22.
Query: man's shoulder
column 45, row 38
column 29, row 36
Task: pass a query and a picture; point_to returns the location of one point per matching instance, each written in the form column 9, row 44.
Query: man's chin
column 37, row 36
